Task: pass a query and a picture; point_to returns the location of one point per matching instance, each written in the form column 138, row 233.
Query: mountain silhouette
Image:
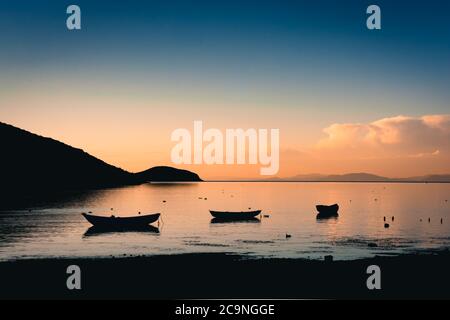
column 361, row 177
column 31, row 164
column 164, row 174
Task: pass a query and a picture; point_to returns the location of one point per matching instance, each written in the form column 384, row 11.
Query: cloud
column 424, row 136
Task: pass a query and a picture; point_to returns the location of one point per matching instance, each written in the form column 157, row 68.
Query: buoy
column 288, row 236
column 386, row 225
column 164, row 201
column 393, row 218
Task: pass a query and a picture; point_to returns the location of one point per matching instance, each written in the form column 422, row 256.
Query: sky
column 345, row 98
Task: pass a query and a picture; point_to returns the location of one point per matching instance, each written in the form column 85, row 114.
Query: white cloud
column 396, row 136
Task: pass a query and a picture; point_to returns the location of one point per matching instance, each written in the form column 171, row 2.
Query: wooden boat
column 327, row 211
column 121, row 223
column 227, row 215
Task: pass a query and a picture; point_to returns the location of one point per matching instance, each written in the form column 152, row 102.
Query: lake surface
column 58, row 230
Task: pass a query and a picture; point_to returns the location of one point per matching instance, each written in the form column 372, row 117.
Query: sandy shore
column 227, row 276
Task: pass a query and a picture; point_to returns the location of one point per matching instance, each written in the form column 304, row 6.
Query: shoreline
column 228, row 276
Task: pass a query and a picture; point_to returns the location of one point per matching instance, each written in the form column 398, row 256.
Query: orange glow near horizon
column 135, row 133
column 389, row 147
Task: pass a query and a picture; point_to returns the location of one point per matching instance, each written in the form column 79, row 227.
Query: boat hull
column 121, row 223
column 327, row 211
column 233, row 216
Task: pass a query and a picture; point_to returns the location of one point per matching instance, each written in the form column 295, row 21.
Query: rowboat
column 327, row 211
column 121, row 222
column 229, row 215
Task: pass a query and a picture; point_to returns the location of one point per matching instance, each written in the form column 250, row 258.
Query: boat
column 327, row 211
column 121, row 222
column 231, row 216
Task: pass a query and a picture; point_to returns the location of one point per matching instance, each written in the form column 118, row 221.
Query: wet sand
column 227, row 276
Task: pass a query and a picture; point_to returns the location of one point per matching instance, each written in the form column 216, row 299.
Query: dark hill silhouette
column 30, row 161
column 164, row 174
column 32, row 164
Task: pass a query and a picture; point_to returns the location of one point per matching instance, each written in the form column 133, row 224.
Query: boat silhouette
column 119, row 223
column 235, row 215
column 327, row 212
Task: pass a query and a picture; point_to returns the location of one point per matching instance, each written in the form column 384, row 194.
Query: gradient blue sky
column 295, row 65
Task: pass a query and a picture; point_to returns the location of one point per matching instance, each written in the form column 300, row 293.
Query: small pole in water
column 429, row 220
column 441, row 220
column 384, row 218
column 393, row 218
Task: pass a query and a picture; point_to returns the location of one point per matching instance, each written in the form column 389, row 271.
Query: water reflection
column 323, row 218
column 96, row 231
column 57, row 228
column 234, row 221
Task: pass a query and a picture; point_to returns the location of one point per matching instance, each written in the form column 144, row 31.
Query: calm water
column 60, row 230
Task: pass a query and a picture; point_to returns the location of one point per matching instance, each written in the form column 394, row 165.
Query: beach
column 228, row 276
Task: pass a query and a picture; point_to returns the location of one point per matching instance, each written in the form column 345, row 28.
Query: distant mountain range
column 31, row 163
column 363, row 177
